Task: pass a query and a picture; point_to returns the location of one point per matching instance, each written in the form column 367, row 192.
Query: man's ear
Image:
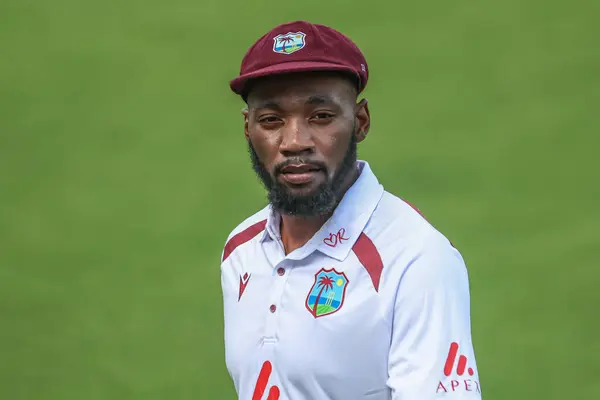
column 363, row 120
column 245, row 114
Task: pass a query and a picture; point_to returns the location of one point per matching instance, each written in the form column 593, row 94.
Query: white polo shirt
column 375, row 306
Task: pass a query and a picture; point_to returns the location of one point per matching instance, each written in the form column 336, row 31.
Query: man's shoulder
column 258, row 217
column 397, row 224
column 402, row 235
column 246, row 230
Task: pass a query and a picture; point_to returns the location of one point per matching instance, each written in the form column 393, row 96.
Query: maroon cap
column 299, row 47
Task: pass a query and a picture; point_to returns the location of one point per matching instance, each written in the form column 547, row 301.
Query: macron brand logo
column 243, row 283
column 454, row 385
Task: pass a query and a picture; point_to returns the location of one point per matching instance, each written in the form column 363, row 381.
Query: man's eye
column 323, row 115
column 267, row 120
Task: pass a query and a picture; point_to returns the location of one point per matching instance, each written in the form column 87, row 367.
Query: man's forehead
column 306, row 88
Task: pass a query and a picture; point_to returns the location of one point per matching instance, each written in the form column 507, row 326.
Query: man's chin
column 300, row 194
column 302, row 201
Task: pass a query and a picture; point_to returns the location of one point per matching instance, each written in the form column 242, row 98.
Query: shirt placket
column 279, row 276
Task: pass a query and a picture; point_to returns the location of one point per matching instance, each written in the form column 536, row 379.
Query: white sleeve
column 431, row 354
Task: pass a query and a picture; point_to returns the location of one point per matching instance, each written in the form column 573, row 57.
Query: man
column 337, row 289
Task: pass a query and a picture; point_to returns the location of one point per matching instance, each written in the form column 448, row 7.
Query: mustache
column 296, row 161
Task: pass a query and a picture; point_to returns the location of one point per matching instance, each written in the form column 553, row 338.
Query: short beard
column 321, row 201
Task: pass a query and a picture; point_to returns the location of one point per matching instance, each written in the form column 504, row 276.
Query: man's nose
column 297, row 138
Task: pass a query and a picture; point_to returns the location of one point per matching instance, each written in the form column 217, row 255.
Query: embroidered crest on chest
column 327, row 293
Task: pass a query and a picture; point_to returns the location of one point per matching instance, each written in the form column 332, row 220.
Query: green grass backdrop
column 123, row 168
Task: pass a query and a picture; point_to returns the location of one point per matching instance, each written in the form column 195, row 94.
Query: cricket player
column 337, row 289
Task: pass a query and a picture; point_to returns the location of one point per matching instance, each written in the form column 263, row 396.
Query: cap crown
column 302, row 46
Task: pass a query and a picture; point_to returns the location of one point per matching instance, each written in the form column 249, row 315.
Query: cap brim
column 238, row 85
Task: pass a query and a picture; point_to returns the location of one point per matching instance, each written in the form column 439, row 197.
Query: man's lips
column 299, row 174
column 299, row 168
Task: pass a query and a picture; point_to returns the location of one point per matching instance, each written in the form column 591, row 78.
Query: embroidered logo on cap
column 289, row 43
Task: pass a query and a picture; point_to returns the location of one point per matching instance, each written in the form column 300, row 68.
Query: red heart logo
column 331, row 241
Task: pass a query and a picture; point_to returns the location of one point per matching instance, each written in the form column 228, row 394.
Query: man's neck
column 297, row 231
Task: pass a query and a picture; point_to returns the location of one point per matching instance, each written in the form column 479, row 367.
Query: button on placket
column 279, row 281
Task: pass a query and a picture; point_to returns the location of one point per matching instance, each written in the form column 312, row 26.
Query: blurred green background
column 124, row 168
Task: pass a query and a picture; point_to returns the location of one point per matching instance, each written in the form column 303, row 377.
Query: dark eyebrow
column 321, row 99
column 312, row 100
column 268, row 104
